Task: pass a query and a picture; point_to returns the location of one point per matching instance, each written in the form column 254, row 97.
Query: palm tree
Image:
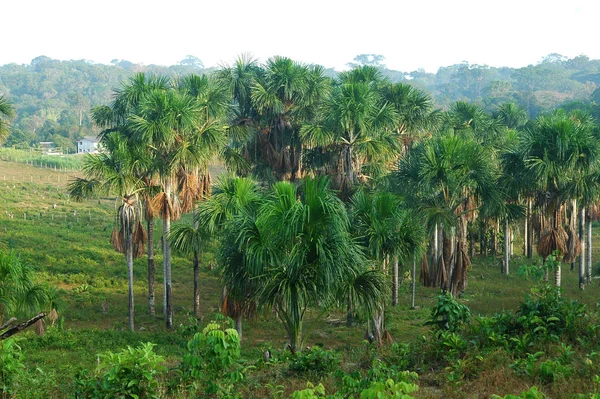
column 558, row 150
column 19, row 295
column 271, row 105
column 389, row 233
column 448, row 177
column 114, row 172
column 415, row 109
column 188, row 239
column 115, row 118
column 234, row 201
column 7, row 112
column 300, row 248
column 356, row 134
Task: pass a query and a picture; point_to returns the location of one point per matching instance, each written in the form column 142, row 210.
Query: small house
column 88, row 145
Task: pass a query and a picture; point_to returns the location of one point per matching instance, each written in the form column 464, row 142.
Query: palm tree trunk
column 588, row 277
column 583, row 245
column 447, row 256
column 530, row 229
column 348, row 164
column 238, row 326
column 526, row 232
column 505, row 268
column 414, row 283
column 197, row 286
column 395, row 281
column 167, row 262
column 378, row 326
column 151, row 268
column 129, row 257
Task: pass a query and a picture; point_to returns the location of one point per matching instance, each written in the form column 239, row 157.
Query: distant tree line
column 52, row 98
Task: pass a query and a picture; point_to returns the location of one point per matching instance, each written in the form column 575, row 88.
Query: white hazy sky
column 410, row 34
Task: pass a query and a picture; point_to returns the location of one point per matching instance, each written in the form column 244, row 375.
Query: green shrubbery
column 130, row 373
column 11, row 367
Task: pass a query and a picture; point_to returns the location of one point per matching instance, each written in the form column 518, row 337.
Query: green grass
column 68, row 245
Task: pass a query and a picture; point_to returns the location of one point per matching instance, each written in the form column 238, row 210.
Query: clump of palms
column 20, row 296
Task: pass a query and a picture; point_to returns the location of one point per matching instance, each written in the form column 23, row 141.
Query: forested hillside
column 53, row 98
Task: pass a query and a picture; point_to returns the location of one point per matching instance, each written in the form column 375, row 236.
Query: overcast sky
column 409, row 34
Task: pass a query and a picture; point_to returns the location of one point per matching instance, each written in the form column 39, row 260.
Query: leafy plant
column 448, row 313
column 212, row 361
column 315, row 360
column 130, row 373
column 11, row 366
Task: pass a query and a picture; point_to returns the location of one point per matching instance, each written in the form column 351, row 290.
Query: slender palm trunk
column 526, row 232
column 151, row 268
column 197, row 285
column 395, row 281
column 129, row 257
column 530, row 229
column 167, row 263
column 238, row 326
column 583, row 245
column 588, row 277
column 348, row 164
column 414, row 283
column 505, row 269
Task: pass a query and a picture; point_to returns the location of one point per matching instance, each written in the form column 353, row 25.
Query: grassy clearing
column 68, row 245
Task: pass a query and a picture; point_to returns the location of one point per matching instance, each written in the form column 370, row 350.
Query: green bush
column 11, row 367
column 211, row 364
column 448, row 313
column 315, row 360
column 131, row 373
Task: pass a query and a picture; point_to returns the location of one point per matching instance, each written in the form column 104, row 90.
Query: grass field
column 68, row 245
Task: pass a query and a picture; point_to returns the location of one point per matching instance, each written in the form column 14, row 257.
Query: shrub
column 11, row 366
column 131, row 373
column 448, row 313
column 212, row 362
column 315, row 360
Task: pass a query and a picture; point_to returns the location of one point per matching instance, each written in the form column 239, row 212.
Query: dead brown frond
column 40, row 329
column 553, row 240
column 140, row 238
column 424, row 276
column 593, row 212
column 205, row 185
column 52, row 316
column 573, row 246
column 189, row 190
column 166, row 207
column 116, row 240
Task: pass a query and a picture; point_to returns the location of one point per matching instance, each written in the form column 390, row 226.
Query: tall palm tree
column 114, row 172
column 169, row 123
column 115, row 118
column 7, row 112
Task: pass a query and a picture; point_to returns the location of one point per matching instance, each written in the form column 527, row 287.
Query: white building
column 88, row 145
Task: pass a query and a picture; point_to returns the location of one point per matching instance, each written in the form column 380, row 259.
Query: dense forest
column 52, row 98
